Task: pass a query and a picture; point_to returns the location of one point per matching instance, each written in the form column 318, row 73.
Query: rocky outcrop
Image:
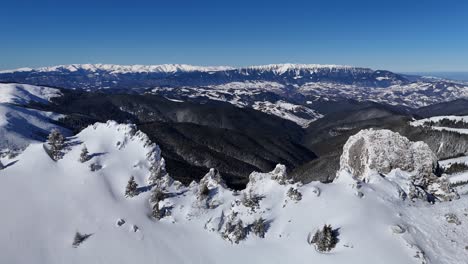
column 379, row 152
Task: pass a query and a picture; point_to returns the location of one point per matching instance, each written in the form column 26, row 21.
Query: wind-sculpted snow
column 50, row 202
column 373, row 152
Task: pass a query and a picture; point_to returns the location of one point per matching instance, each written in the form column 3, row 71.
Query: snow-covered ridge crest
column 119, row 69
column 173, row 68
column 66, row 197
column 286, row 67
column 14, row 93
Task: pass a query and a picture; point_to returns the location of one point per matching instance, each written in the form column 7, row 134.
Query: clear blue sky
column 399, row 35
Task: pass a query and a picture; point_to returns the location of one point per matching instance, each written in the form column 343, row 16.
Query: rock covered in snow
column 372, row 152
column 382, row 151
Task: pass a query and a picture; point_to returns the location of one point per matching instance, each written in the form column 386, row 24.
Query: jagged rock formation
column 372, row 152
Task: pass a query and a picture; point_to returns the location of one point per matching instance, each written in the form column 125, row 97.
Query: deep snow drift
column 47, row 202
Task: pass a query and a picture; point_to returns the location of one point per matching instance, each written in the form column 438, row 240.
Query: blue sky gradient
column 396, row 35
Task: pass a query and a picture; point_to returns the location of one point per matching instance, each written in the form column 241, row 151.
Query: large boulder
column 372, row 152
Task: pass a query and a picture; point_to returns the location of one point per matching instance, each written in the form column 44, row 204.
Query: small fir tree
column 56, row 142
column 132, row 188
column 325, row 239
column 156, row 196
column 84, row 156
column 259, row 227
column 79, row 238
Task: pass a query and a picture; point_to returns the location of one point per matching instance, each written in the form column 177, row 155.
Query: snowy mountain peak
column 172, row 68
column 280, row 69
column 121, row 69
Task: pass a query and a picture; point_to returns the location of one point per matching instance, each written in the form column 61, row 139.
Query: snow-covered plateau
column 47, row 203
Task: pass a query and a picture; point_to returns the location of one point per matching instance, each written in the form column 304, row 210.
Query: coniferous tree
column 79, row 238
column 132, row 188
column 1, row 165
column 259, row 227
column 325, row 239
column 156, row 196
column 56, row 142
column 84, row 156
column 158, row 170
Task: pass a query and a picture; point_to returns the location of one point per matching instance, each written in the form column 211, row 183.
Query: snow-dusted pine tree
column 158, row 171
column 132, row 188
column 156, row 196
column 325, row 239
column 259, row 227
column 84, row 156
column 234, row 229
column 79, row 238
column 1, row 165
column 56, row 142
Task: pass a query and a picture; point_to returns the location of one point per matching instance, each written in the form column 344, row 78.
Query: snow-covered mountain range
column 268, row 85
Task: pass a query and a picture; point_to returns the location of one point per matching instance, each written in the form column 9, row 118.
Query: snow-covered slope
column 23, row 93
column 299, row 114
column 458, row 124
column 51, row 201
column 20, row 126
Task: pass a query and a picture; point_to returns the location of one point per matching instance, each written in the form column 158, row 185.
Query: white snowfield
column 299, row 114
column 20, row 126
column 46, row 202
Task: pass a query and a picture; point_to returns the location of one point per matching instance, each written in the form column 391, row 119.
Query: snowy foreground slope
column 19, row 125
column 47, row 202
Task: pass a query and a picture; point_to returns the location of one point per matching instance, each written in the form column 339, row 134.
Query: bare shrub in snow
column 325, row 239
column 294, row 194
column 79, row 238
column 56, row 143
column 132, row 188
column 84, row 156
column 259, row 227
